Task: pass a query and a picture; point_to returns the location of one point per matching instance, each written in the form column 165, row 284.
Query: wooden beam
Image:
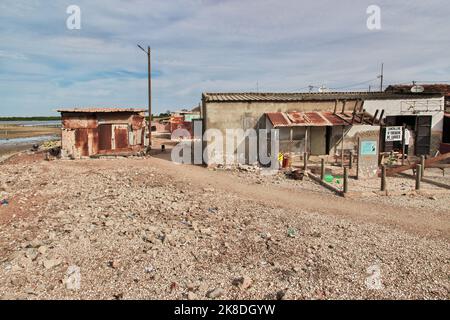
column 374, row 117
column 381, row 117
column 428, row 163
column 343, row 106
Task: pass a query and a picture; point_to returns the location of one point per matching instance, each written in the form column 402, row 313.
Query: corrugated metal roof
column 100, row 110
column 307, row 119
column 315, row 96
column 278, row 119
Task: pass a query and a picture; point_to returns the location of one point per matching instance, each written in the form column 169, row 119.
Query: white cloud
column 201, row 45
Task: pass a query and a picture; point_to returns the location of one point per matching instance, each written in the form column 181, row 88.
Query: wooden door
column 104, row 137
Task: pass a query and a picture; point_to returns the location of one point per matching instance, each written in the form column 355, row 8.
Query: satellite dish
column 323, row 89
column 417, row 89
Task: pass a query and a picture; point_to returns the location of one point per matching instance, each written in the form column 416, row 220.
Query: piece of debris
column 213, row 209
column 296, row 174
column 72, row 278
column 215, row 293
column 266, row 235
column 149, row 269
column 243, row 282
column 50, row 263
column 291, row 233
column 4, row 202
column 114, row 264
column 280, row 294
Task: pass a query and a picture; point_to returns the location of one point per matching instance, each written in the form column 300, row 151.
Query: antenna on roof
column 381, row 77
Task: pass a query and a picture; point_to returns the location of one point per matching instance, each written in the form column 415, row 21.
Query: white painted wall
column 399, row 107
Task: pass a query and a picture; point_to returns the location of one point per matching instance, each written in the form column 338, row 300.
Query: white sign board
column 394, row 134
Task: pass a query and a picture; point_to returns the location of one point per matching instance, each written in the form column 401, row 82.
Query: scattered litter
column 4, row 202
column 213, row 209
column 329, row 178
column 291, row 233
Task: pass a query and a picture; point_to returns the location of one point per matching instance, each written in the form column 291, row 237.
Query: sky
column 210, row 46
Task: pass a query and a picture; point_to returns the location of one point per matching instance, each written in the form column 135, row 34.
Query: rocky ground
column 150, row 229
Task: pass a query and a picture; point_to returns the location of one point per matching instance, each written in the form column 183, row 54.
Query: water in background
column 50, row 123
column 6, row 142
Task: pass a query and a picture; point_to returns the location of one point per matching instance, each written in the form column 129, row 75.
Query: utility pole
column 381, row 76
column 148, row 52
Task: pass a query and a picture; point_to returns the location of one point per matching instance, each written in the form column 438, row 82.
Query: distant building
column 183, row 119
column 102, row 131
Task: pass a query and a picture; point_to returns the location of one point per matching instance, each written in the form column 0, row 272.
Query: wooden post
column 383, row 178
column 350, row 165
column 305, row 161
column 291, row 137
column 342, row 147
column 418, row 173
column 403, row 145
column 322, row 169
column 359, row 158
column 306, row 140
column 422, row 163
column 345, row 180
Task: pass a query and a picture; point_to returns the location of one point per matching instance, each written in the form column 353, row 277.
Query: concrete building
column 252, row 110
column 102, row 131
column 432, row 88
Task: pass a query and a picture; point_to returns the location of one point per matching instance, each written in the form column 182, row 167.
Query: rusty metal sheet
column 78, row 121
column 121, row 137
column 334, row 119
column 104, row 137
column 278, row 119
column 305, row 119
column 82, row 142
column 315, row 119
column 137, row 122
column 297, row 118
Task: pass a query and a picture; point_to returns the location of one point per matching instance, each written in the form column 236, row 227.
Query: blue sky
column 209, row 45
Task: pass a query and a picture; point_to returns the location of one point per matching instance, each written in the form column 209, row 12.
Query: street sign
column 394, row 134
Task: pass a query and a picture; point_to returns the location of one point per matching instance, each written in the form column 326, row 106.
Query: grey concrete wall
column 245, row 115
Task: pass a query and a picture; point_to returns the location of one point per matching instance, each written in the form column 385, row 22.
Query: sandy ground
column 146, row 228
